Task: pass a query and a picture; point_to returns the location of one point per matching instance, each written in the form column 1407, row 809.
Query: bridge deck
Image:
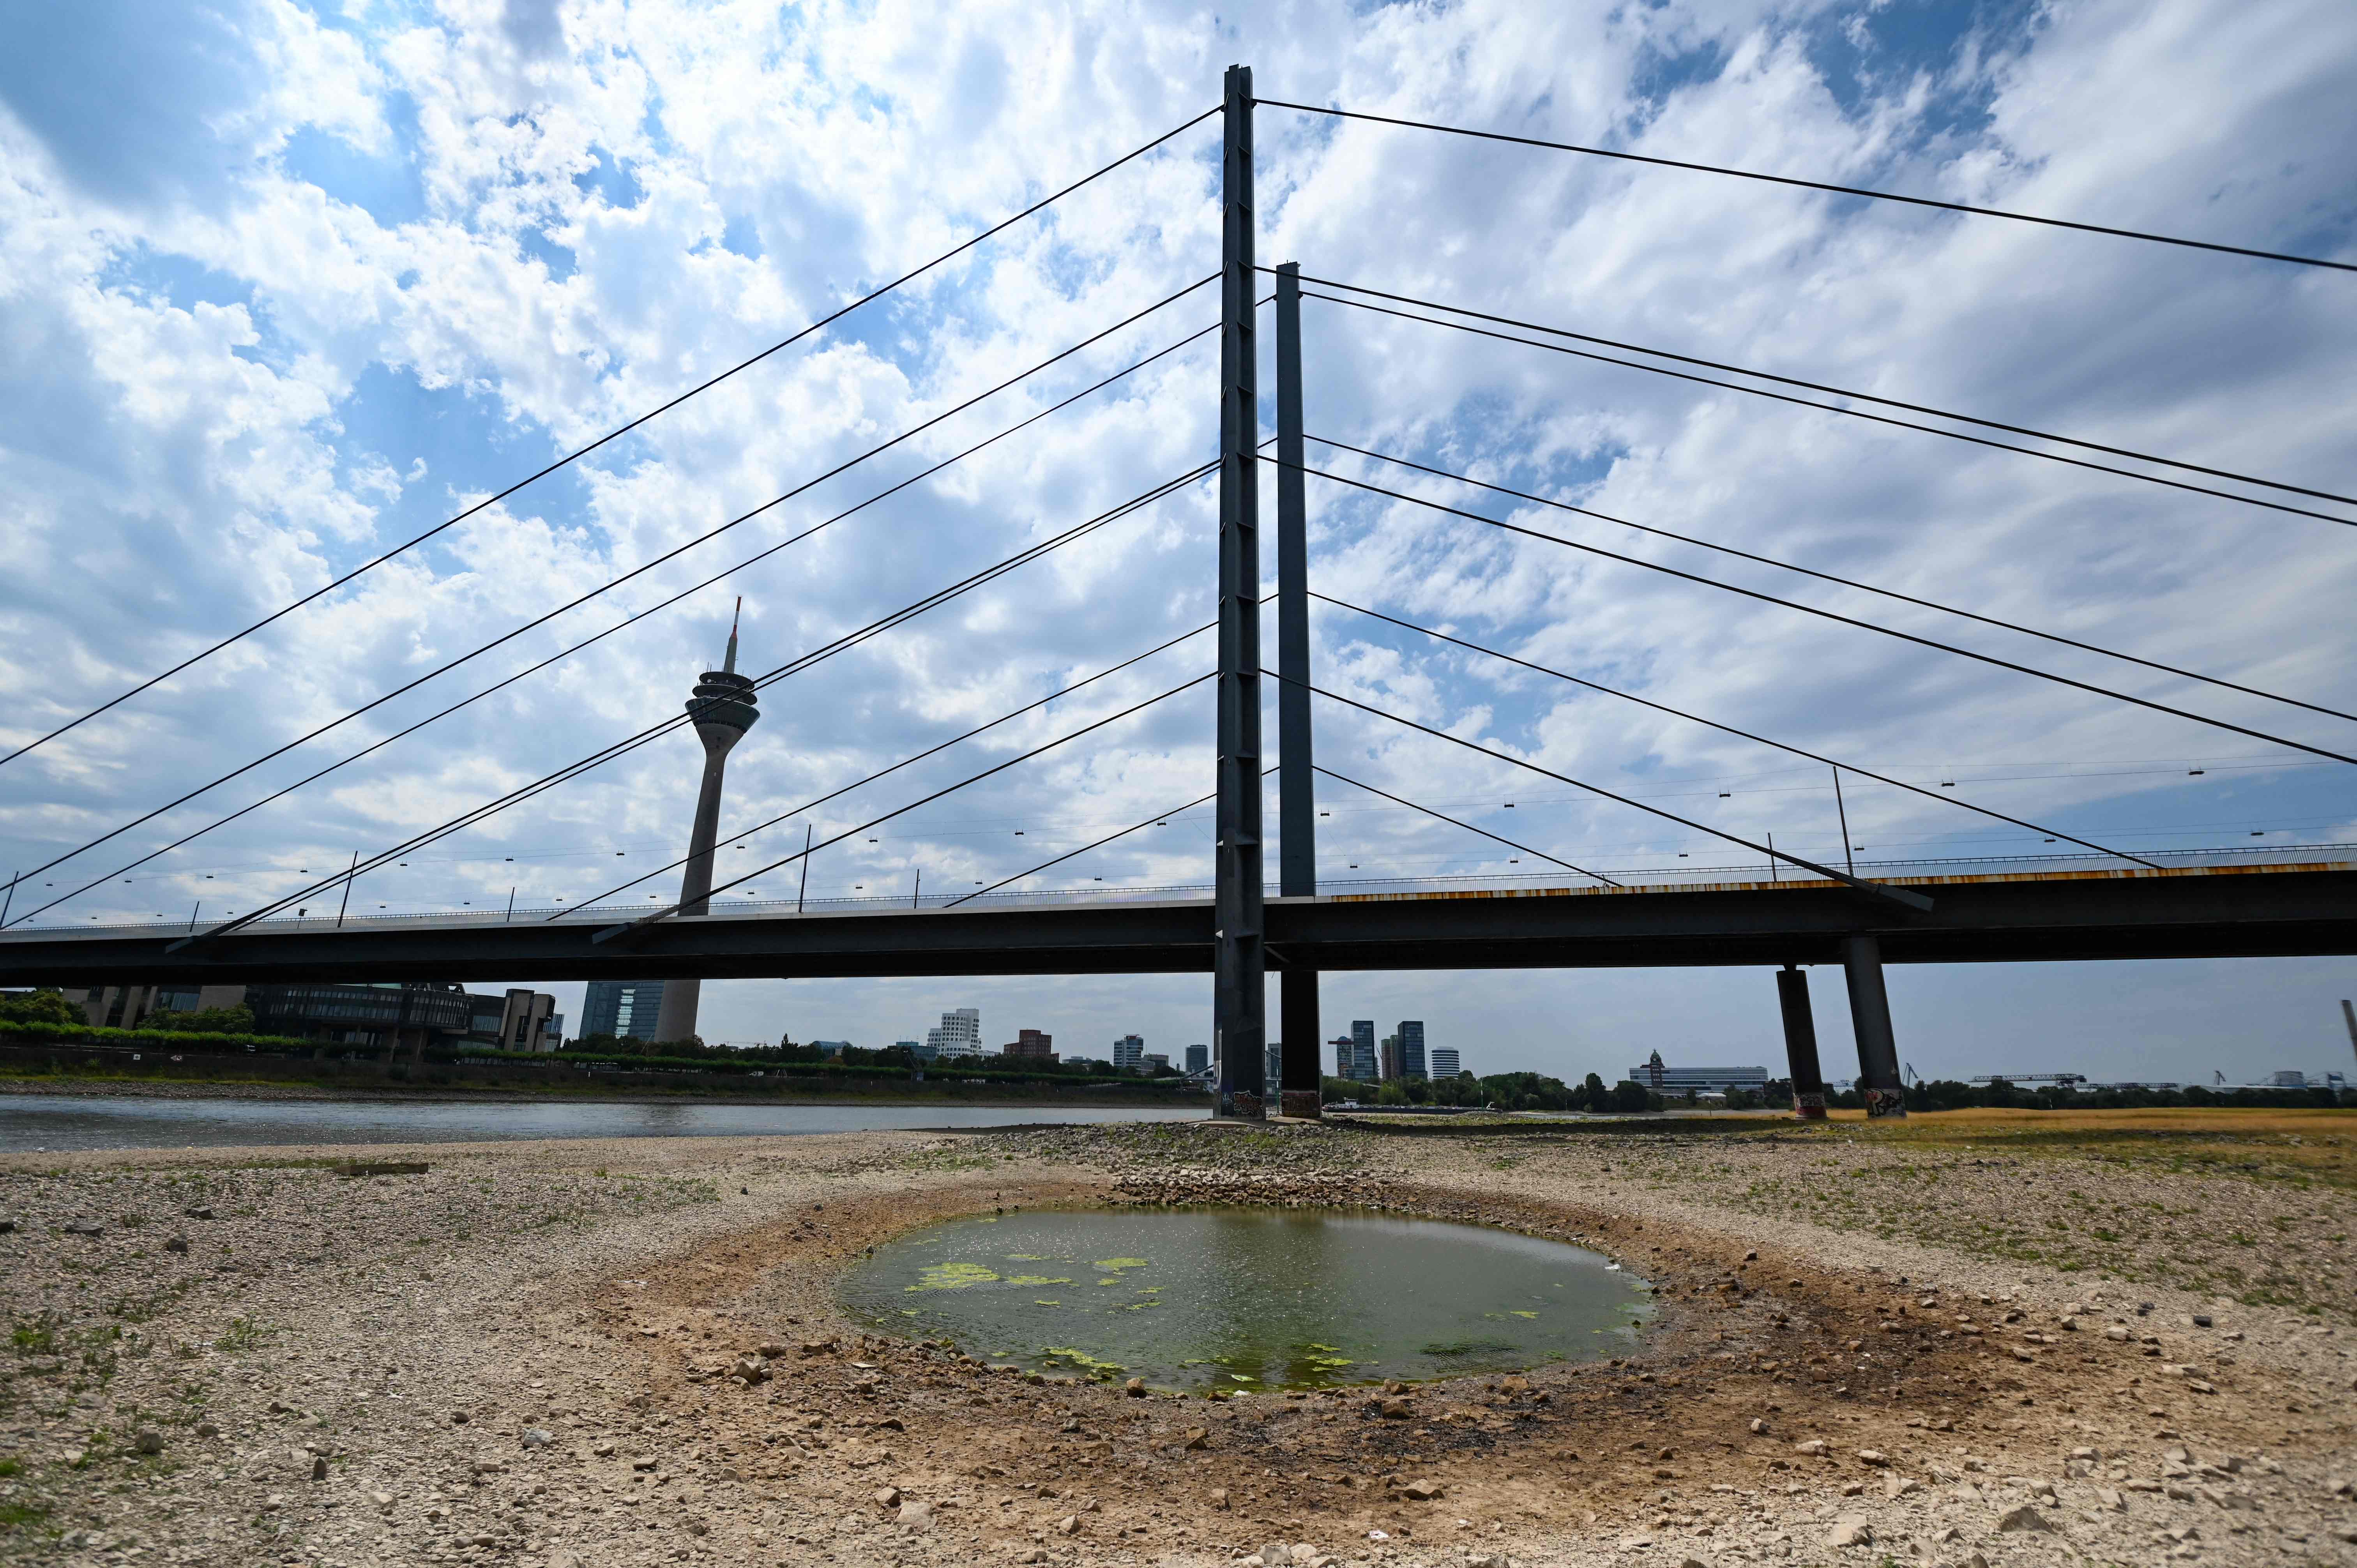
column 2207, row 911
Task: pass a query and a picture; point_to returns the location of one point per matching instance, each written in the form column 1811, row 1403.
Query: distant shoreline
column 198, row 1089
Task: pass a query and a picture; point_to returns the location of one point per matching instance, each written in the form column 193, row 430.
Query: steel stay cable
column 631, row 743
column 1468, row 827
column 1837, row 392
column 646, row 920
column 1815, row 185
column 627, row 621
column 619, row 431
column 911, row 760
column 1830, row 614
column 1730, row 729
column 1085, row 849
column 1879, row 890
column 1845, row 582
column 1829, row 408
column 650, row 565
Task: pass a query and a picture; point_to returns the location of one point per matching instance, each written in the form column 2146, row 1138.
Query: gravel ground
column 570, row 1355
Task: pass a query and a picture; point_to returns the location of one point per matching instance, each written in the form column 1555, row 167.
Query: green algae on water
column 1251, row 1300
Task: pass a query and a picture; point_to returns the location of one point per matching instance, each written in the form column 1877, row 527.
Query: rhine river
column 34, row 1122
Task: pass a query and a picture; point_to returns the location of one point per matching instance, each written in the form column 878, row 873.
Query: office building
column 830, row 1048
column 958, row 1035
column 1443, row 1061
column 525, row 1019
column 1127, row 1052
column 1410, row 1048
column 622, row 1008
column 1032, row 1044
column 1154, row 1062
column 1390, row 1057
column 1664, row 1079
column 378, row 1014
column 1346, row 1057
column 1199, row 1059
column 1364, row 1065
column 1272, row 1063
column 918, row 1049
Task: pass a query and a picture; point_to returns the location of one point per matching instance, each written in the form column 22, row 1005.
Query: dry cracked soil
column 577, row 1354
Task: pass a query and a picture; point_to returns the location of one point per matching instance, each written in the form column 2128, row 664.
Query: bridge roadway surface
column 2207, row 911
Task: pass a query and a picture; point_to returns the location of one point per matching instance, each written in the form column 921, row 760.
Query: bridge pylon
column 1239, row 978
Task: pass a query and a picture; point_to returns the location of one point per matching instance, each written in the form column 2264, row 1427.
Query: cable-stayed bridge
column 1759, row 904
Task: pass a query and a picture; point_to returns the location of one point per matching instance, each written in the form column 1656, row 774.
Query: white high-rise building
column 959, row 1034
column 1443, row 1061
column 1127, row 1052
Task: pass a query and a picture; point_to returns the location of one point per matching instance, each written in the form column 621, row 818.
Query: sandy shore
column 628, row 1352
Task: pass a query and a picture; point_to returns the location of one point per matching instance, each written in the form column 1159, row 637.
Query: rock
column 7, row 1227
column 1219, row 1496
column 1758, row 1427
column 1812, row 1446
column 490, row 1466
column 1197, row 1438
column 45, row 1366
column 1069, row 1525
column 752, row 1369
column 887, row 1497
column 915, row 1517
column 645, row 1462
column 604, row 1450
column 208, row 1429
column 1422, row 1491
column 319, row 1466
column 1872, row 1456
column 1034, row 1554
column 457, row 1418
column 81, row 1227
column 1850, row 1529
column 176, row 1244
column 2024, row 1519
column 2110, row 1500
column 384, row 1501
column 198, row 1212
column 2199, row 1387
column 1135, row 1387
column 538, row 1437
column 1896, row 1486
column 148, row 1443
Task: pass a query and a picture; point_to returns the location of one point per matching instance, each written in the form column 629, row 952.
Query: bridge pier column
column 1869, row 1010
column 1238, row 974
column 1800, row 1044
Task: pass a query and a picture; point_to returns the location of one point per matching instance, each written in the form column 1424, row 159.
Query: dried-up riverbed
column 582, row 1353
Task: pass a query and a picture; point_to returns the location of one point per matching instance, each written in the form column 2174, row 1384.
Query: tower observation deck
column 723, row 706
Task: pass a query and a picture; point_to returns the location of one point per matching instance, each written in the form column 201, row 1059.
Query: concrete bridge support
column 1869, row 1010
column 1800, row 1044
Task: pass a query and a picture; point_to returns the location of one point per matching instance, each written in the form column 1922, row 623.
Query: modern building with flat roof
column 1665, row 1080
column 622, row 1008
column 1410, row 1048
column 1443, row 1061
column 1128, row 1051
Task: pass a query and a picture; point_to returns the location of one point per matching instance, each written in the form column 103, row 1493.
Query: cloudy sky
column 287, row 285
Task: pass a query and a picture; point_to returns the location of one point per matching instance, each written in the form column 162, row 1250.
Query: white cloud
column 251, row 363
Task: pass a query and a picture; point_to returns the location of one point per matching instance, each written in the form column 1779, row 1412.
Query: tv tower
column 723, row 707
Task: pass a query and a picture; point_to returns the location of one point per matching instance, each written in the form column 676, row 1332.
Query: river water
column 42, row 1122
column 1247, row 1299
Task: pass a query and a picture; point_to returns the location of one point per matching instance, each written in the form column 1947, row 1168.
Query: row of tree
column 1506, row 1090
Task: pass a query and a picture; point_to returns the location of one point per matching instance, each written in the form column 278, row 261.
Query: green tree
column 236, row 1020
column 42, row 1007
column 1629, row 1098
